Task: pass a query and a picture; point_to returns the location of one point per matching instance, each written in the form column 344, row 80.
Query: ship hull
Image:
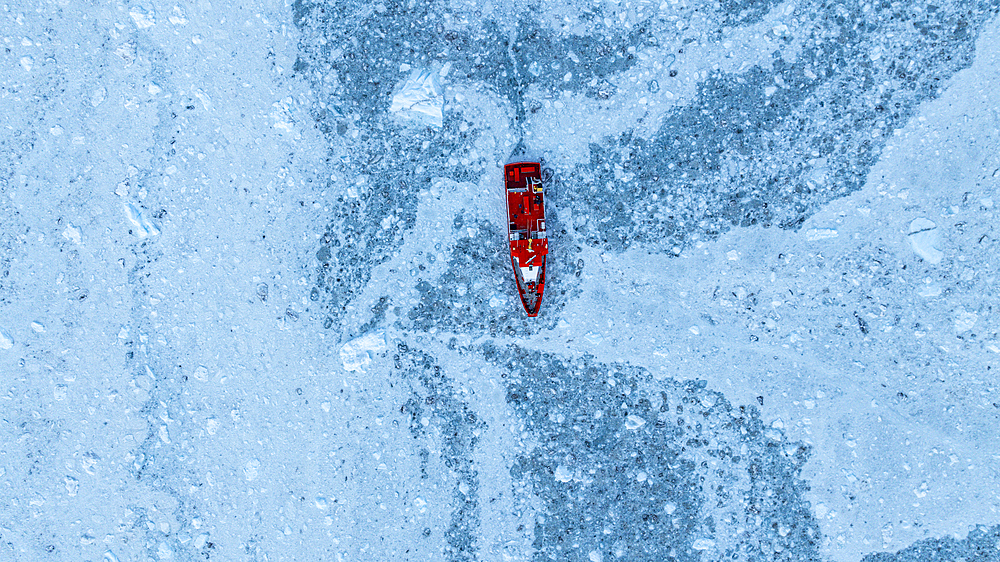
column 526, row 234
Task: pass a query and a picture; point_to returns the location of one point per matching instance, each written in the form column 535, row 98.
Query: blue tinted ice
column 256, row 301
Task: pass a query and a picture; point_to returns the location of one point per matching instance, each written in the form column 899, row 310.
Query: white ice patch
column 814, row 234
column 72, row 233
column 703, row 544
column 142, row 18
column 634, row 422
column 251, row 470
column 924, row 240
column 6, row 342
column 563, row 474
column 419, row 100
column 357, row 353
column 142, row 227
column 964, row 321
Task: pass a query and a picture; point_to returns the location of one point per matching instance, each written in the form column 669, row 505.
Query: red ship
column 529, row 245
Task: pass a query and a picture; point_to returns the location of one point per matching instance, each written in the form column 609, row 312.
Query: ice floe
column 419, row 99
column 357, row 353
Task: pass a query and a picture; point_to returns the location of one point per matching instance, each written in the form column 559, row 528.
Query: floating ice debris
column 98, row 97
column 814, row 234
column 320, row 502
column 930, row 290
column 6, row 342
column 669, row 508
column 206, row 101
column 178, row 17
column 419, row 100
column 703, row 544
column 563, row 474
column 142, row 18
column 357, row 354
column 594, row 337
column 110, row 556
column 27, row 62
column 141, row 226
column 72, row 233
column 924, row 240
column 72, row 485
column 634, row 422
column 595, row 556
column 251, row 470
column 89, row 461
column 964, row 321
column 38, row 327
column 201, row 373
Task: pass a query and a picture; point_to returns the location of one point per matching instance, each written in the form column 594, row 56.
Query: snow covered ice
column 255, row 301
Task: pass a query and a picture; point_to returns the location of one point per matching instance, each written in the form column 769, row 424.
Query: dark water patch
column 352, row 54
column 637, row 469
column 980, row 546
column 477, row 292
column 434, row 402
column 772, row 145
column 744, row 12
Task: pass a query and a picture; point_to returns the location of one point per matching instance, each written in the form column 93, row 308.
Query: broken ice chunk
column 419, row 100
column 964, row 320
column 251, row 470
column 72, row 233
column 703, row 544
column 142, row 18
column 814, row 234
column 142, row 227
column 563, row 474
column 924, row 240
column 6, row 342
column 929, row 290
column 357, row 353
column 634, row 422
